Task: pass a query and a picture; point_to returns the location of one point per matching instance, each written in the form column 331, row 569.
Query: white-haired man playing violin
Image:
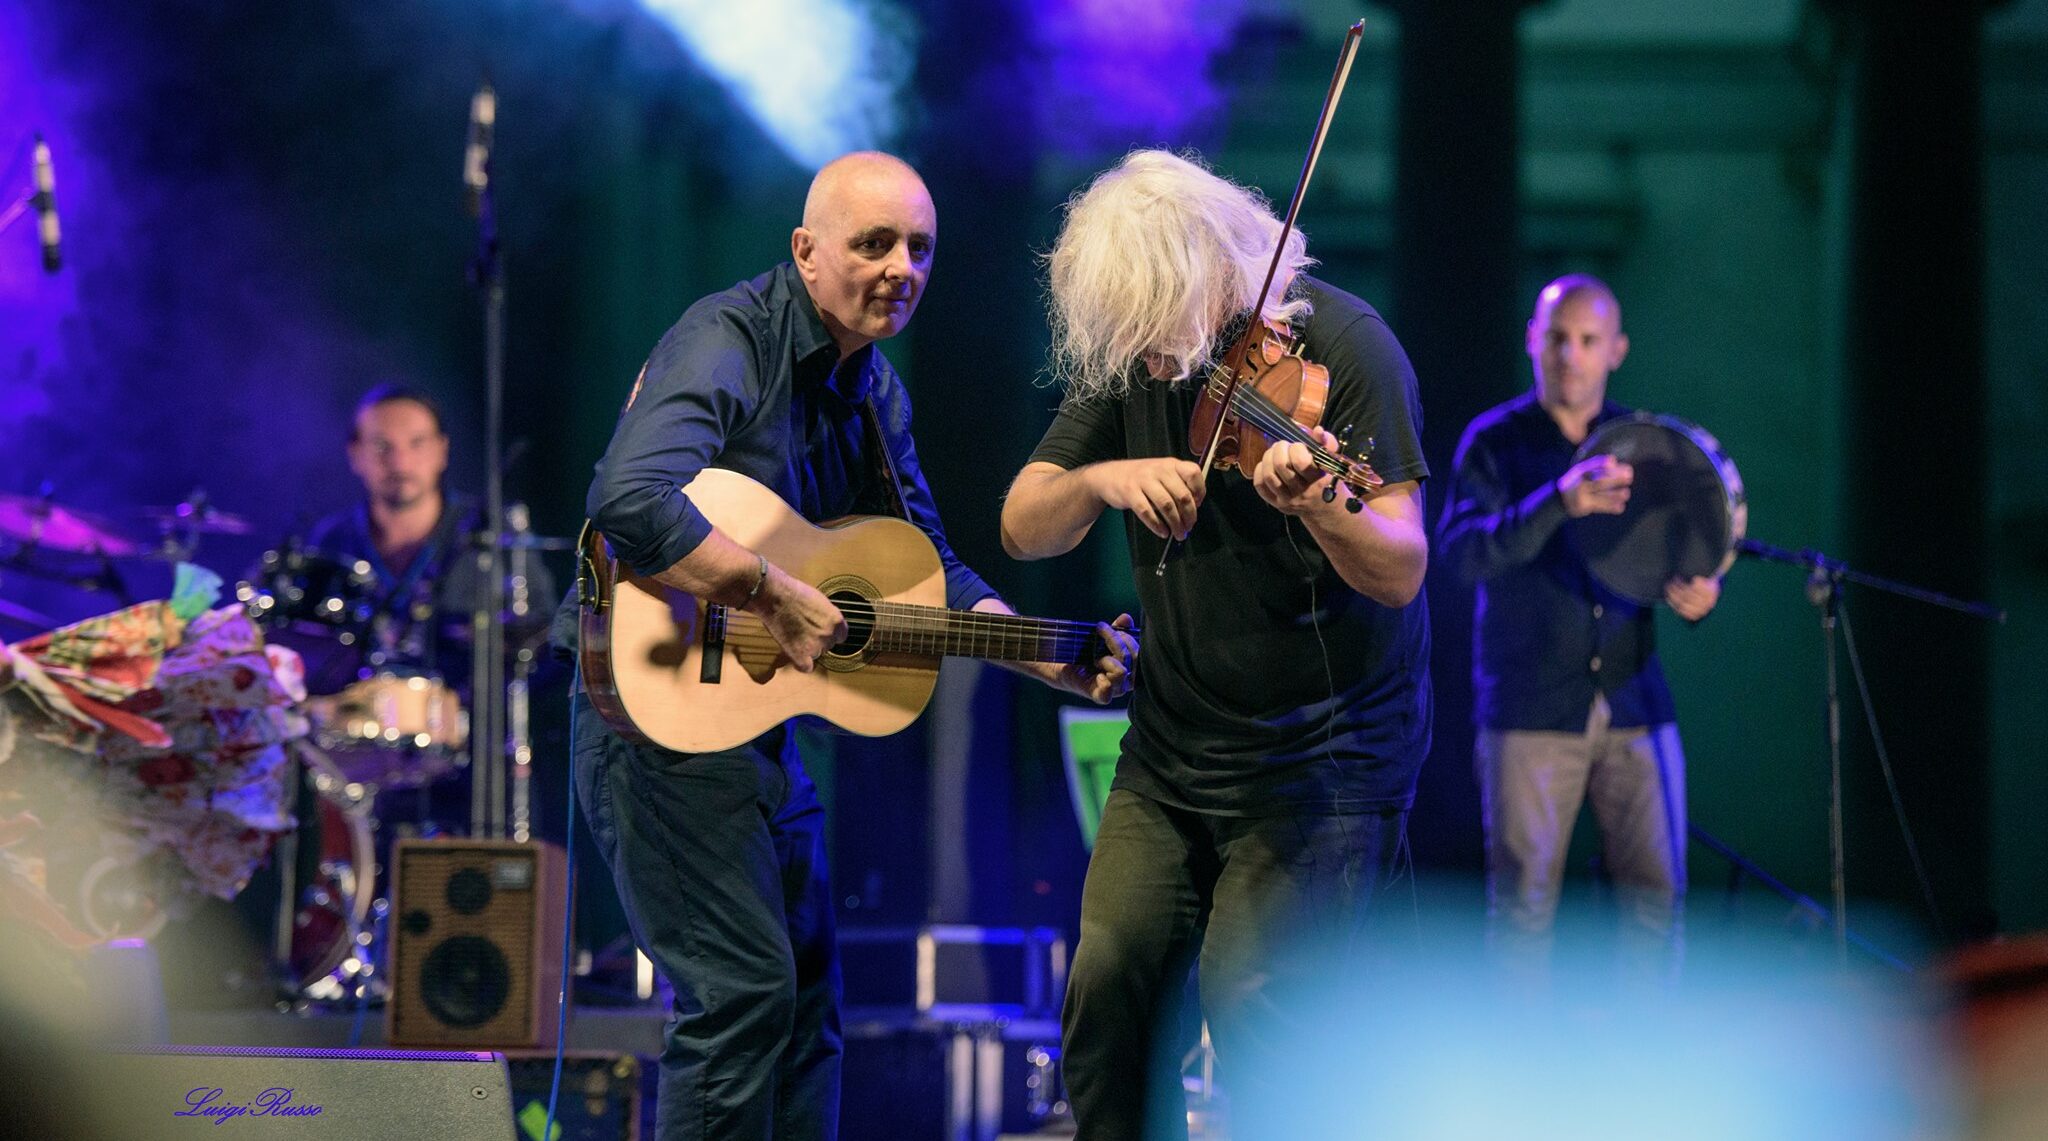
column 1260, row 801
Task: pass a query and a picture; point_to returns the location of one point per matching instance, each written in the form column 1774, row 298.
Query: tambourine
column 1686, row 508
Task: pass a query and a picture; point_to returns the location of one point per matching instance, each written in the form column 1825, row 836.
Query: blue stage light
column 821, row 77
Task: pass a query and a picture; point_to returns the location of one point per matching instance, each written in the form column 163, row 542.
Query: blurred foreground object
column 142, row 764
column 2000, row 1022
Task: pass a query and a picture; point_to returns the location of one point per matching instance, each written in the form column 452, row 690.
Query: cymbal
column 201, row 519
column 37, row 522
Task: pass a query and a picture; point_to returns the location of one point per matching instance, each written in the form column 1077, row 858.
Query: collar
column 815, row 355
column 1533, row 410
column 808, row 335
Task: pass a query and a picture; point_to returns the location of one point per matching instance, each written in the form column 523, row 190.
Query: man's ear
column 1620, row 351
column 803, row 247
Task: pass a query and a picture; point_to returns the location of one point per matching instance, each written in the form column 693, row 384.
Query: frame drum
column 1686, row 508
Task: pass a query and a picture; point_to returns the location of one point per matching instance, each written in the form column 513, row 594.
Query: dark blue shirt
column 1547, row 635
column 749, row 380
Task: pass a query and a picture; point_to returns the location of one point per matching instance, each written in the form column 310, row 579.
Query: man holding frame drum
column 1570, row 702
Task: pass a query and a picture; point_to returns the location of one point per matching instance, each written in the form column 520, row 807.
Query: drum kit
column 384, row 730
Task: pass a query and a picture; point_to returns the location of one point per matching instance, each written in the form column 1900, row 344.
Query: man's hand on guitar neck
column 1101, row 681
column 1109, row 676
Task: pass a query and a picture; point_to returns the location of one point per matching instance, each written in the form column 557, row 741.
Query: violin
column 1266, row 393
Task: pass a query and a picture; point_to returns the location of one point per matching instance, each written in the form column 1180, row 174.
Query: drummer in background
column 1570, row 702
column 412, row 531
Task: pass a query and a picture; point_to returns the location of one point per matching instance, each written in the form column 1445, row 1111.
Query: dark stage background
column 1832, row 268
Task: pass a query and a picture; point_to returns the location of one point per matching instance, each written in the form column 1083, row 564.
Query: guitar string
column 1074, row 632
column 1064, row 639
column 1059, row 652
column 904, row 614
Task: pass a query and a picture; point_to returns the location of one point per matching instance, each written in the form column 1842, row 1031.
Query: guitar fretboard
column 936, row 632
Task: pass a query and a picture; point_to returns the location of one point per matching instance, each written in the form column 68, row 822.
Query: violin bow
column 1233, row 361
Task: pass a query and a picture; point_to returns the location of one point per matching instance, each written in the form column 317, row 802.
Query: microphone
column 45, row 202
column 476, row 157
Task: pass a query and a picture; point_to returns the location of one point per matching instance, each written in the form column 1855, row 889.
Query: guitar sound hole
column 860, row 622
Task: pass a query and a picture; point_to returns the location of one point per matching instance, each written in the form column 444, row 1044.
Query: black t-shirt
column 1265, row 683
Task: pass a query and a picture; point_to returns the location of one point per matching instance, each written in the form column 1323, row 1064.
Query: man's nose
column 898, row 266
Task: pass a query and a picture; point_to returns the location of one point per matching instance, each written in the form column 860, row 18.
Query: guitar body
column 663, row 667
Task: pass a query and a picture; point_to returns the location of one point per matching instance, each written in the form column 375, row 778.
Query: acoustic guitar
column 668, row 668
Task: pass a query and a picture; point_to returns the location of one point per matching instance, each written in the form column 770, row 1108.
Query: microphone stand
column 486, row 624
column 518, row 728
column 1825, row 577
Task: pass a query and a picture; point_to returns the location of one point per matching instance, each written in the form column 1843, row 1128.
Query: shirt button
column 1596, row 664
column 1598, row 610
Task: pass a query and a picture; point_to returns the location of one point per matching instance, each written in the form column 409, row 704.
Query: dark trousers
column 1273, row 907
column 719, row 859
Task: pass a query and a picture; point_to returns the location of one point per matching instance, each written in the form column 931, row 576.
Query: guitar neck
column 938, row 632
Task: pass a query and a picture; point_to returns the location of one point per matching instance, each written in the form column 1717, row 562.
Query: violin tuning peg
column 1354, row 505
column 1330, row 492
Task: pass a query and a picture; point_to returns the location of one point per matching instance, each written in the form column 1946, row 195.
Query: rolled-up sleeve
column 699, row 387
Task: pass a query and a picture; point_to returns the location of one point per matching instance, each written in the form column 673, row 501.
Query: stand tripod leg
column 1838, row 884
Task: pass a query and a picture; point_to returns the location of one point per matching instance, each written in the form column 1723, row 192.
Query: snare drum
column 392, row 730
column 1686, row 507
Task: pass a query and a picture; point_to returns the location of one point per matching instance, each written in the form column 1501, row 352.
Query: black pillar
column 1909, row 122
column 977, row 347
column 1457, row 306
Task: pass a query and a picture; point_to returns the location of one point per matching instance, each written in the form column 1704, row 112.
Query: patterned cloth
column 165, row 746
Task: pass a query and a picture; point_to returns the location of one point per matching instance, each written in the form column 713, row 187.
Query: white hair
column 1156, row 255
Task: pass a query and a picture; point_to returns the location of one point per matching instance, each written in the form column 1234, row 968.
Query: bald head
column 1575, row 341
column 865, row 248
column 845, row 179
column 1574, row 285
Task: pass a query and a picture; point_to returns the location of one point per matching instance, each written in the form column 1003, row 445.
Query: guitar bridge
column 712, row 664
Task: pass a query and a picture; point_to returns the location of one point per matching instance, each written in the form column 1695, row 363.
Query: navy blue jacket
column 1547, row 636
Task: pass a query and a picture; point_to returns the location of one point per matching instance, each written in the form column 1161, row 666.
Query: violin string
column 1253, row 406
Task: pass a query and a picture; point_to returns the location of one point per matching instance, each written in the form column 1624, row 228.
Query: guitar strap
column 883, row 463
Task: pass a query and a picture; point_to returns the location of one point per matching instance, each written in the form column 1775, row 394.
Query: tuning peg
column 1330, row 492
column 1354, row 505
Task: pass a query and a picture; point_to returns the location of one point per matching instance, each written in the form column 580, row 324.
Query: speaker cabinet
column 306, row 1095
column 476, row 943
